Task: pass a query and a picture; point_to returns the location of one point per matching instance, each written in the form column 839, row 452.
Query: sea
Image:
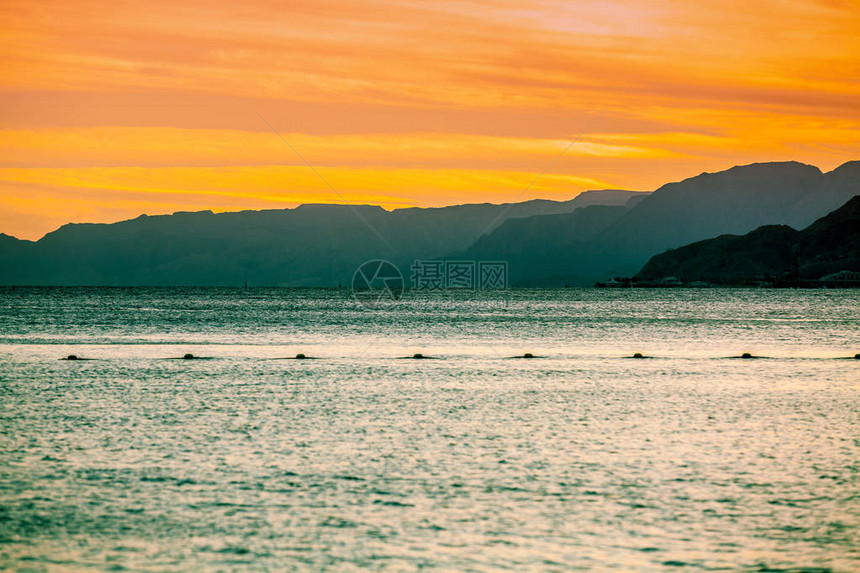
column 473, row 458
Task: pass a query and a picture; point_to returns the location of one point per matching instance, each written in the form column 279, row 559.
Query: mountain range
column 310, row 245
column 546, row 243
column 773, row 252
column 595, row 243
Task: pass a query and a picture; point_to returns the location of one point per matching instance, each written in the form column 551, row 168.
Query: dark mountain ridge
column 545, row 243
column 829, row 245
column 734, row 201
column 311, row 245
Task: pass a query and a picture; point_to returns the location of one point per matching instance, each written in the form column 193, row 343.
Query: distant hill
column 546, row 243
column 829, row 245
column 548, row 250
column 311, row 245
column 553, row 250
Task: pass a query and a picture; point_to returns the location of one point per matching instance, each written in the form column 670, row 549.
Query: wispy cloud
column 376, row 89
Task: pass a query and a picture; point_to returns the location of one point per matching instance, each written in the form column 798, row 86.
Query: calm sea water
column 582, row 458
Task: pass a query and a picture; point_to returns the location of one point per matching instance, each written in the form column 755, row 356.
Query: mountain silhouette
column 581, row 247
column 829, row 245
column 311, row 245
column 546, row 243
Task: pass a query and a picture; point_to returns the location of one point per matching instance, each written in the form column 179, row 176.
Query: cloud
column 163, row 146
column 469, row 97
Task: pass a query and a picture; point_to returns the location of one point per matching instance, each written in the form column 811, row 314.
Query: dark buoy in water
column 73, row 357
column 300, row 356
column 746, row 355
column 417, row 356
column 638, row 355
column 526, row 355
column 188, row 356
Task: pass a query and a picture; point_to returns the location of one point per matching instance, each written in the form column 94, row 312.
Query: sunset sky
column 113, row 109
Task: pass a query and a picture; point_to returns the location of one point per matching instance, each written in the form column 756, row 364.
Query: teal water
column 582, row 458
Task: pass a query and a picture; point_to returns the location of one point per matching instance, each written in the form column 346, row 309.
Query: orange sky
column 112, row 109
